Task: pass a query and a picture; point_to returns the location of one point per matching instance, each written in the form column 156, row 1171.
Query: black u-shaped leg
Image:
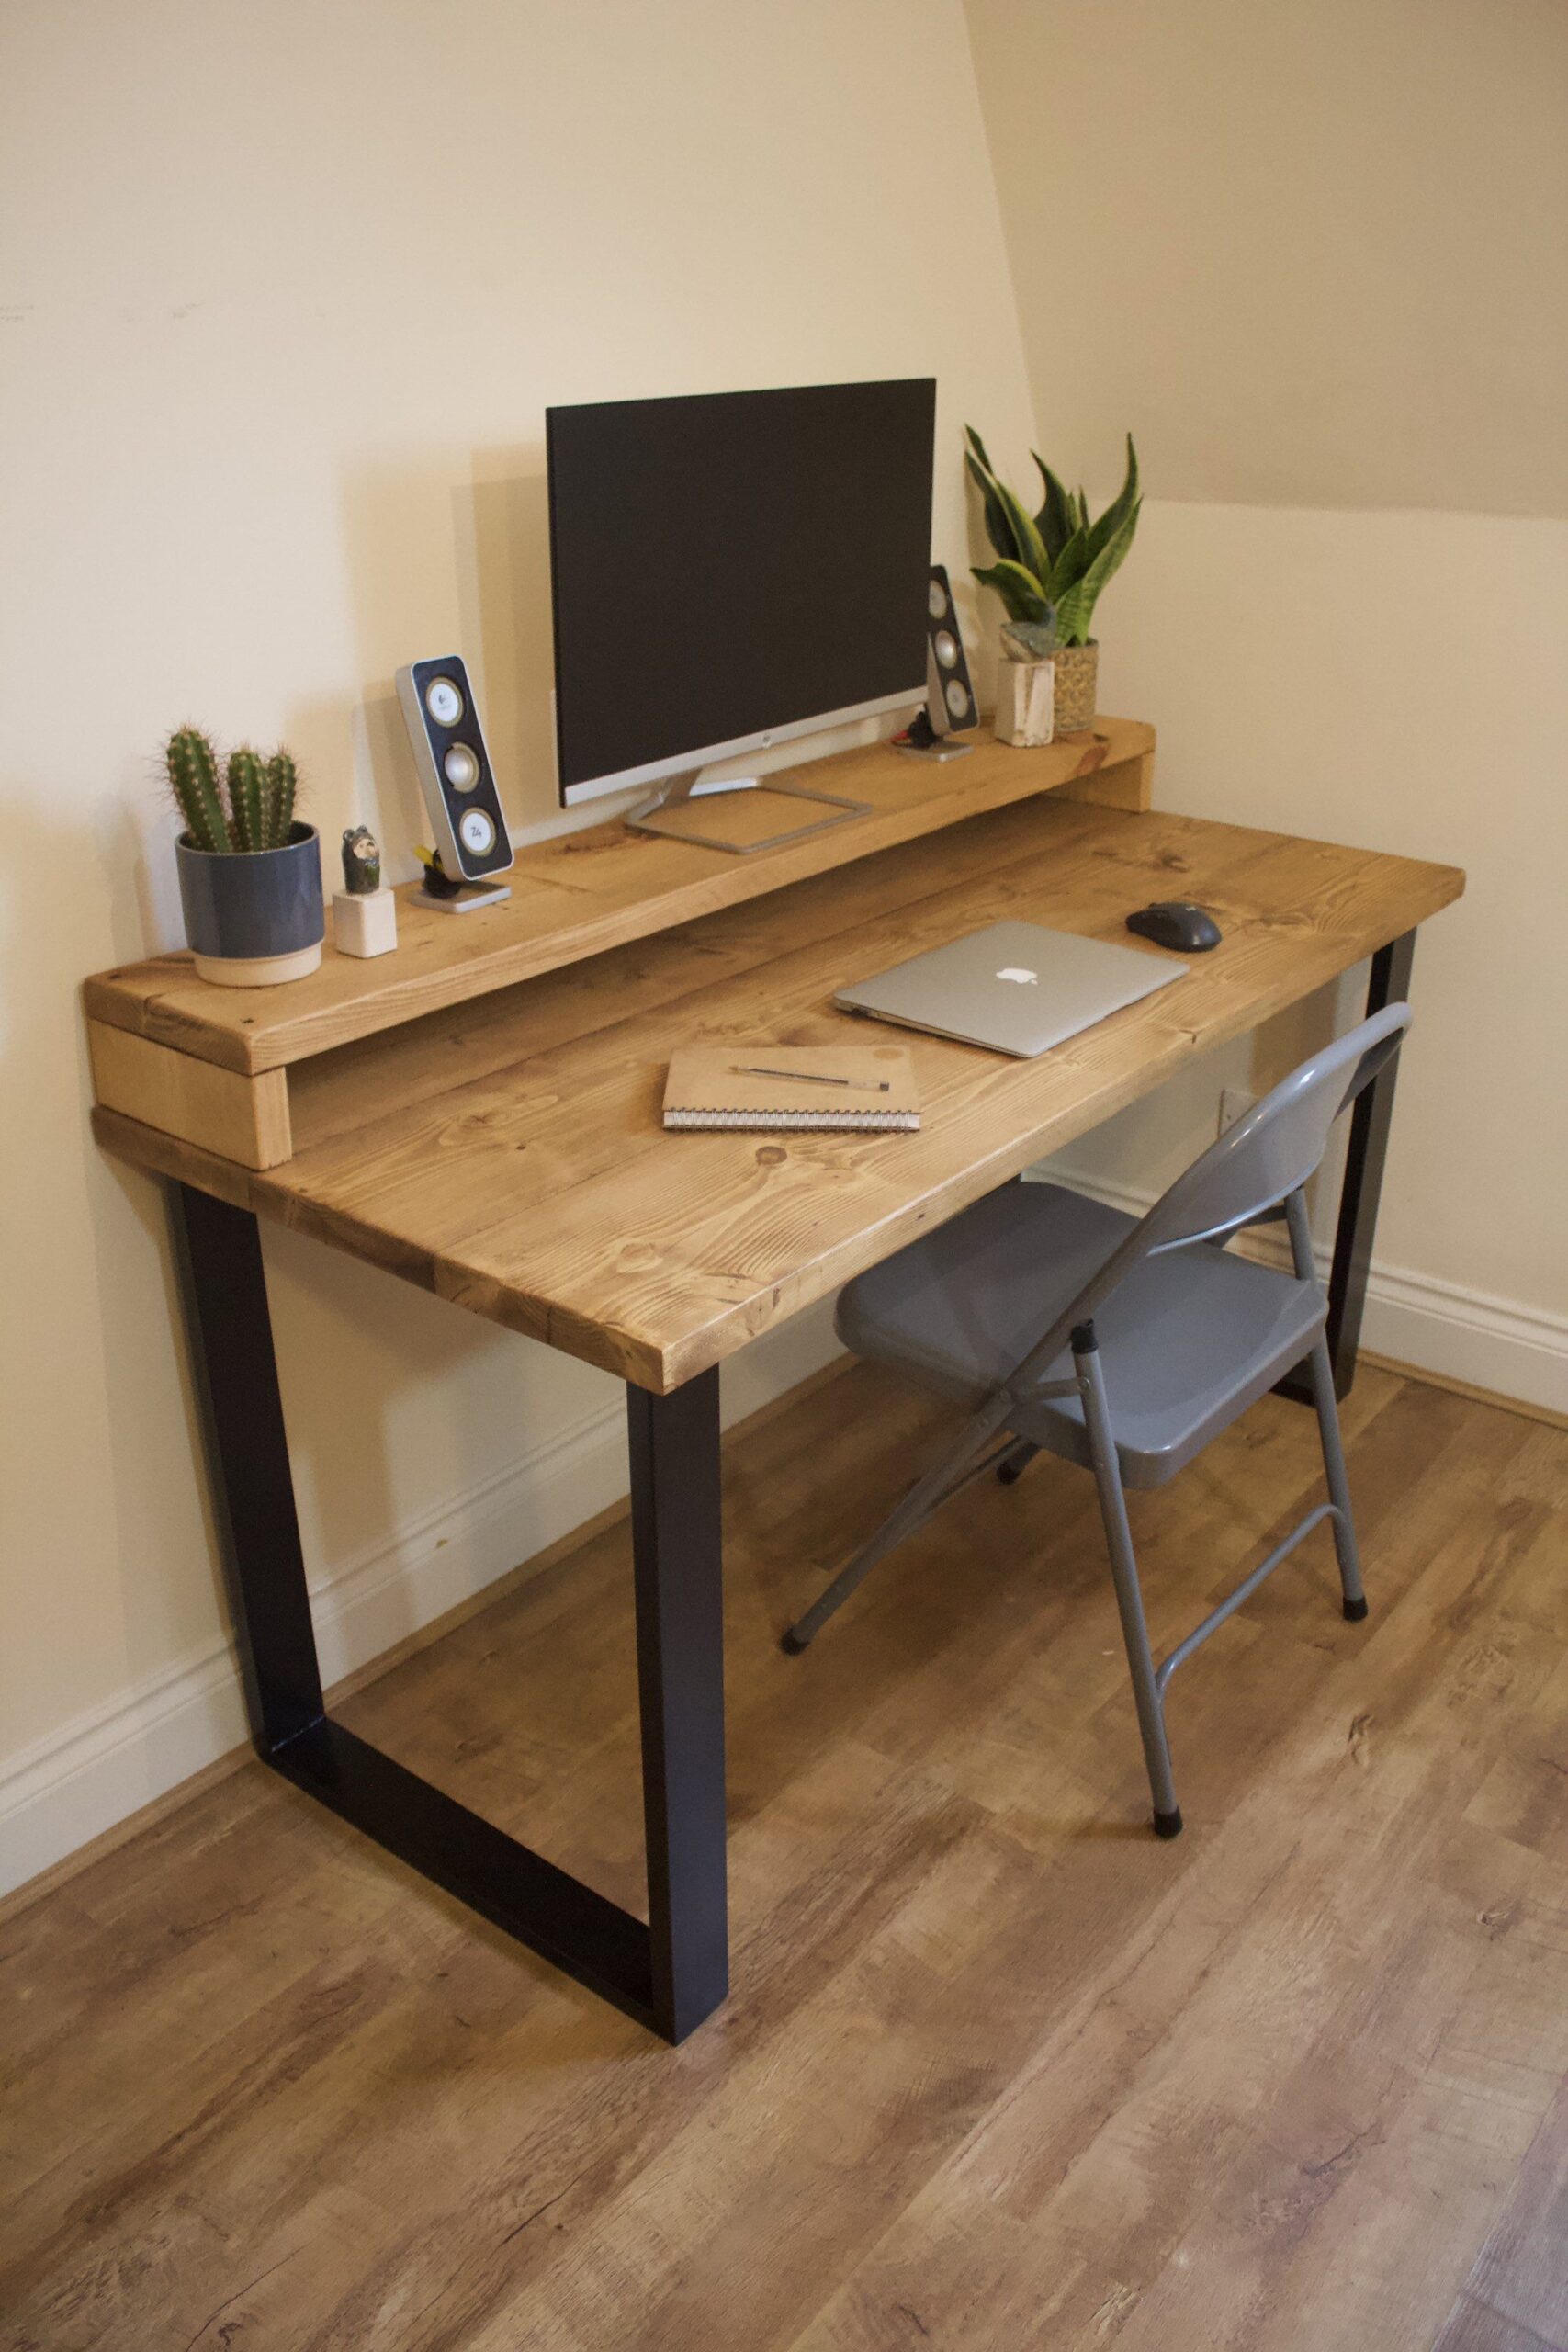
column 1371, row 1115
column 670, row 1973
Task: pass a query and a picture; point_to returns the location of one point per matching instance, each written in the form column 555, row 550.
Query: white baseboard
column 93, row 1772
column 1436, row 1326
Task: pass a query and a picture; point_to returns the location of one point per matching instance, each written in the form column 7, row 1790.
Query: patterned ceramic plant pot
column 254, row 918
column 1078, row 674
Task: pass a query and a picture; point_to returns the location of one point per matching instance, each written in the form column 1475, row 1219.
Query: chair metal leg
column 1129, row 1596
column 1321, row 1372
column 955, row 1470
column 1324, row 1397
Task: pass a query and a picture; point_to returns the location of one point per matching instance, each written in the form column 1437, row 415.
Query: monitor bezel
column 703, row 755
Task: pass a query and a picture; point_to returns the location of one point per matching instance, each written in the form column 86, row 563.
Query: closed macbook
column 1014, row 987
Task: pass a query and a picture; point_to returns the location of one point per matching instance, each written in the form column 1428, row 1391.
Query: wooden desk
column 506, row 1153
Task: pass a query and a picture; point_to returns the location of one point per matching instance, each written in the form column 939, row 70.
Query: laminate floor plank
column 998, row 2067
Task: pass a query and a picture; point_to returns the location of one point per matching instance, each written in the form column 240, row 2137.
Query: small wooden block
column 1026, row 702
column 364, row 922
column 244, row 1118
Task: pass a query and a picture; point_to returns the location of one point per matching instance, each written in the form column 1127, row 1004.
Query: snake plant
column 259, row 813
column 1052, row 566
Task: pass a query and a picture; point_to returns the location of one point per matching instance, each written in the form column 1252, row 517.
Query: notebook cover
column 708, row 1088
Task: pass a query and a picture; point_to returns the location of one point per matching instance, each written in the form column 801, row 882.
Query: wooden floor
column 1000, row 2072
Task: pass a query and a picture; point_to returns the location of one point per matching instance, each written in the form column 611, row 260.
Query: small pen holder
column 364, row 922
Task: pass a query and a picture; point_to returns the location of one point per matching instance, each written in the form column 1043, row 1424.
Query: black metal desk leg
column 1389, row 983
column 677, row 1540
column 218, row 1250
column 668, row 1975
column 1370, row 1117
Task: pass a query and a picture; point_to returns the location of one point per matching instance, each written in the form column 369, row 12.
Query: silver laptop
column 1014, row 987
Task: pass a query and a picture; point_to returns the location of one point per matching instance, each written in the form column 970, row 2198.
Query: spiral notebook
column 830, row 1090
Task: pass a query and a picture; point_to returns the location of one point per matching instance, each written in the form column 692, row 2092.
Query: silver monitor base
column 669, row 805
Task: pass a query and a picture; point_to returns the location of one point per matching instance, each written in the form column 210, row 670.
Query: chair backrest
column 1259, row 1163
column 1277, row 1146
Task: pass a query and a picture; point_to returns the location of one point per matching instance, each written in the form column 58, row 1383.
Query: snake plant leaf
column 1008, row 523
column 1075, row 610
column 1031, row 546
column 1069, row 566
column 999, row 530
column 1059, row 557
column 1019, row 590
column 1053, row 522
column 979, row 449
column 1127, row 498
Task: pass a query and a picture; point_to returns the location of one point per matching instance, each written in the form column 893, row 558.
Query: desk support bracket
column 1371, row 1116
column 669, row 1974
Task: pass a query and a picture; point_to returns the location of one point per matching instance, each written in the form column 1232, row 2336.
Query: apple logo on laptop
column 1019, row 973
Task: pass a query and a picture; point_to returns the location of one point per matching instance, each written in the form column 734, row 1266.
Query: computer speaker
column 453, row 766
column 950, row 697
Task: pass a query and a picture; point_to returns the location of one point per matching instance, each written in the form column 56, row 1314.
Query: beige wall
column 285, row 292
column 1313, row 254
column 1312, row 251
column 1282, row 702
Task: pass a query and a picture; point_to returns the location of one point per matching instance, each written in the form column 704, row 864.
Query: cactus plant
column 193, row 779
column 259, row 811
column 1053, row 566
column 282, row 778
column 246, row 779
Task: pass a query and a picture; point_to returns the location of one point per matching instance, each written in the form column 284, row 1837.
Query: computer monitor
column 731, row 571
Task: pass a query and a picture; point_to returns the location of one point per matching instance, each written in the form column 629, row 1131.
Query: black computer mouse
column 1176, row 922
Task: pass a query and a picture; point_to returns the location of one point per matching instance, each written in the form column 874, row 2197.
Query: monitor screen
column 732, row 565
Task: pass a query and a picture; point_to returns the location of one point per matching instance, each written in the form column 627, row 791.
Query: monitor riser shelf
column 210, row 1066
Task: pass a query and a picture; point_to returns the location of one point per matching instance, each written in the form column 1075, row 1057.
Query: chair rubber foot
column 792, row 1644
column 1354, row 1610
column 1169, row 1825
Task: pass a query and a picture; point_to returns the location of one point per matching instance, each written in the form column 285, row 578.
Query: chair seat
column 1187, row 1342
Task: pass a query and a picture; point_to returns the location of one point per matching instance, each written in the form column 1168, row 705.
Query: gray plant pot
column 254, row 918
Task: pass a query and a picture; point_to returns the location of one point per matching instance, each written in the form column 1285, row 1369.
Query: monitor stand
column 756, row 822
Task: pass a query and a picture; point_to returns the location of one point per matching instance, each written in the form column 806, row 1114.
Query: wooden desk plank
column 540, row 1190
column 583, row 893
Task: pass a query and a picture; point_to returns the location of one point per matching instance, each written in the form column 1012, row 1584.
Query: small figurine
column 361, row 862
column 1029, row 640
column 365, row 917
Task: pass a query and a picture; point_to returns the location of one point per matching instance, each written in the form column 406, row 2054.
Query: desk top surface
column 508, row 1153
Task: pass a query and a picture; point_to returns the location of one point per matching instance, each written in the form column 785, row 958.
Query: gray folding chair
column 1154, row 1339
